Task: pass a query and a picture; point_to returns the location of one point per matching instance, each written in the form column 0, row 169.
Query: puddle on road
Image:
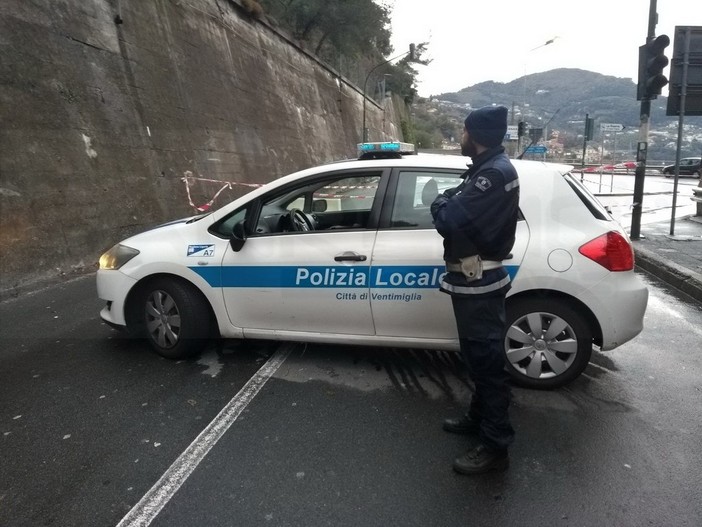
column 210, row 359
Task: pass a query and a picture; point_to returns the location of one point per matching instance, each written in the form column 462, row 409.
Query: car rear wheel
column 548, row 343
column 175, row 318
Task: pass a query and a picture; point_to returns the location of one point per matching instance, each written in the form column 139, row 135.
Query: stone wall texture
column 106, row 105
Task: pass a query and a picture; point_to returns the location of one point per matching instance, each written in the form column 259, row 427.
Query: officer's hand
column 439, row 202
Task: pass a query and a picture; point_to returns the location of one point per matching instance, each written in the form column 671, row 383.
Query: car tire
column 666, row 173
column 548, row 343
column 173, row 317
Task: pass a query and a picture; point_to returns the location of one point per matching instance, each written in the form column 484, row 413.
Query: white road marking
column 144, row 512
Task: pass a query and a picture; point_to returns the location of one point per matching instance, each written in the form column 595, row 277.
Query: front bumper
column 113, row 287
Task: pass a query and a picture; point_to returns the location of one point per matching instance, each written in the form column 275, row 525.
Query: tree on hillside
column 351, row 35
column 351, row 27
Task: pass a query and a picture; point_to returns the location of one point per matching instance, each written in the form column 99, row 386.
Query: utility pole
column 587, row 136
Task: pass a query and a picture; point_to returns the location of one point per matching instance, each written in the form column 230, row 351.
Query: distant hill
column 570, row 93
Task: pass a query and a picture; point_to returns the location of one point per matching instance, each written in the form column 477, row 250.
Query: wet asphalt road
column 336, row 436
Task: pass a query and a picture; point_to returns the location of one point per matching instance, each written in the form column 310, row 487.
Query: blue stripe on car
column 339, row 277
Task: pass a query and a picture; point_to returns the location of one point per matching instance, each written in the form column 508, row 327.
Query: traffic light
column 589, row 128
column 520, row 129
column 652, row 61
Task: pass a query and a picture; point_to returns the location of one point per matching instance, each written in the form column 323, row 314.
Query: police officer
column 478, row 221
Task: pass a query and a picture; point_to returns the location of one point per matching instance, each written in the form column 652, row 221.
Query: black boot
column 480, row 460
column 462, row 425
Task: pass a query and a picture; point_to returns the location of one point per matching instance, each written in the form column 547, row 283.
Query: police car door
column 315, row 281
column 408, row 260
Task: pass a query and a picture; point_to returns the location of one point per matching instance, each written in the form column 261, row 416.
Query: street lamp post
column 384, row 99
column 524, row 96
column 411, row 52
column 549, row 41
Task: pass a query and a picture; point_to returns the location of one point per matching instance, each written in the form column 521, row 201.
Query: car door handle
column 350, row 257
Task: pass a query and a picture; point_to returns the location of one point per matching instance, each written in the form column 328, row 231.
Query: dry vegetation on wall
column 253, row 8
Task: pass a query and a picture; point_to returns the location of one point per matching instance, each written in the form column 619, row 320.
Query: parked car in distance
column 689, row 166
column 347, row 253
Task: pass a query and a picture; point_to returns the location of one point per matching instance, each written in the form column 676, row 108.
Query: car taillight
column 612, row 251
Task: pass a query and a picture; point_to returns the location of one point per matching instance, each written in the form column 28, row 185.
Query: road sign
column 511, row 132
column 686, row 59
column 537, row 149
column 611, row 127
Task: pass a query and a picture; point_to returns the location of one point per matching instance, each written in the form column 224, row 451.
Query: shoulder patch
column 483, row 183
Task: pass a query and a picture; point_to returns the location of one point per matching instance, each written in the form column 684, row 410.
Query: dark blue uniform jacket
column 479, row 217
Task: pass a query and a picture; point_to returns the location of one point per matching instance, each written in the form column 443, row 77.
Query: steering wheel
column 299, row 221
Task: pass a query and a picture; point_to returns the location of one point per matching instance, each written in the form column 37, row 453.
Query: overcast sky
column 472, row 41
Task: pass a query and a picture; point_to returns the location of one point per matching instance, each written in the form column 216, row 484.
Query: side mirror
column 238, row 237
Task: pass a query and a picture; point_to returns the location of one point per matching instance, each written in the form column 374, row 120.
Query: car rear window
column 589, row 200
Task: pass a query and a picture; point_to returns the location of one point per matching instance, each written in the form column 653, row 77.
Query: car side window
column 343, row 202
column 225, row 226
column 416, row 190
column 348, row 194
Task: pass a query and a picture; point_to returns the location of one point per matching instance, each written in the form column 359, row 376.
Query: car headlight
column 117, row 257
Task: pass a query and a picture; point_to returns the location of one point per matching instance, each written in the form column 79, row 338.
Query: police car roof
column 525, row 168
column 535, row 171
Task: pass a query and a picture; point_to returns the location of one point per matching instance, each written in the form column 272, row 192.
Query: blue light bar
column 389, row 146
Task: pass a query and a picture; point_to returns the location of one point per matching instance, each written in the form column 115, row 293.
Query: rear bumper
column 619, row 304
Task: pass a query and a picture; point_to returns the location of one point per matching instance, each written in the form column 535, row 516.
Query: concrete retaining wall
column 105, row 105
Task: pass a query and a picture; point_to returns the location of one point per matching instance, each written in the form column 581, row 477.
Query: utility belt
column 472, row 267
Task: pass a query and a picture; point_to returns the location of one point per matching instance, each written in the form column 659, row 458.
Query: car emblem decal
column 201, row 250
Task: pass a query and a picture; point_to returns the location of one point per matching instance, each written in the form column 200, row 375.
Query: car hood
column 162, row 230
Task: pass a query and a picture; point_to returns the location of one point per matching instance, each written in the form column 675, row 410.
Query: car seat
column 429, row 192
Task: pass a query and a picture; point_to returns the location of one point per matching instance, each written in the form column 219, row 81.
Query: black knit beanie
column 487, row 126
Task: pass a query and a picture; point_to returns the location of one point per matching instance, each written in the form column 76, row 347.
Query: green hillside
column 562, row 98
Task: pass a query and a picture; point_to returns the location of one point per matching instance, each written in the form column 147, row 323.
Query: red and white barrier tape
column 189, row 180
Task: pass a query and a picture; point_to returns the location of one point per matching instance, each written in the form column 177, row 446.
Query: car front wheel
column 174, row 318
column 548, row 343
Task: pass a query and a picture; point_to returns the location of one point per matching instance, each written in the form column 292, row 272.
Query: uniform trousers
column 481, row 329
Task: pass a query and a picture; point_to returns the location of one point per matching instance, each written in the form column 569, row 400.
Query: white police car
column 347, row 253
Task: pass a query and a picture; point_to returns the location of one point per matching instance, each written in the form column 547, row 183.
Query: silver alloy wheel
column 541, row 345
column 162, row 318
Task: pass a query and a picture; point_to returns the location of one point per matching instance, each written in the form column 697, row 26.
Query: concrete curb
column 686, row 280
